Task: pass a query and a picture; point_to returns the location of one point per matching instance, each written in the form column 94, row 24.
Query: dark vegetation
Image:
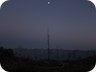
column 12, row 63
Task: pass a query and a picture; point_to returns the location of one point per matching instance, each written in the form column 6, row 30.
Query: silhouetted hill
column 5, row 53
column 19, row 63
column 55, row 54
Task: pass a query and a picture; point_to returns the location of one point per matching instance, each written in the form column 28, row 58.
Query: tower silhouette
column 48, row 41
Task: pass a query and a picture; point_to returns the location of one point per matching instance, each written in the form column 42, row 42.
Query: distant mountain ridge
column 55, row 54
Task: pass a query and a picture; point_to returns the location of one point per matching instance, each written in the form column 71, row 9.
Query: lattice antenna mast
column 48, row 41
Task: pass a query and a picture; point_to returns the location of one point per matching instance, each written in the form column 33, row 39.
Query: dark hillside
column 13, row 63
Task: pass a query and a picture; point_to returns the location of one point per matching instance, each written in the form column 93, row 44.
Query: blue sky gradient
column 72, row 24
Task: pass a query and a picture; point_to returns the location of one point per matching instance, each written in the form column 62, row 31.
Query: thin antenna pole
column 48, row 36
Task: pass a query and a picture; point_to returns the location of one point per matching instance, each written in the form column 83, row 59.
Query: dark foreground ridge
column 12, row 63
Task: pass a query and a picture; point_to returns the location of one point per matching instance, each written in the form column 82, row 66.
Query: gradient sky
column 71, row 23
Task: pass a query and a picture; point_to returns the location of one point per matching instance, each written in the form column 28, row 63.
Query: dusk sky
column 71, row 24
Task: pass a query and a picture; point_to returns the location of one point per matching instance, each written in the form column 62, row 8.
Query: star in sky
column 49, row 2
